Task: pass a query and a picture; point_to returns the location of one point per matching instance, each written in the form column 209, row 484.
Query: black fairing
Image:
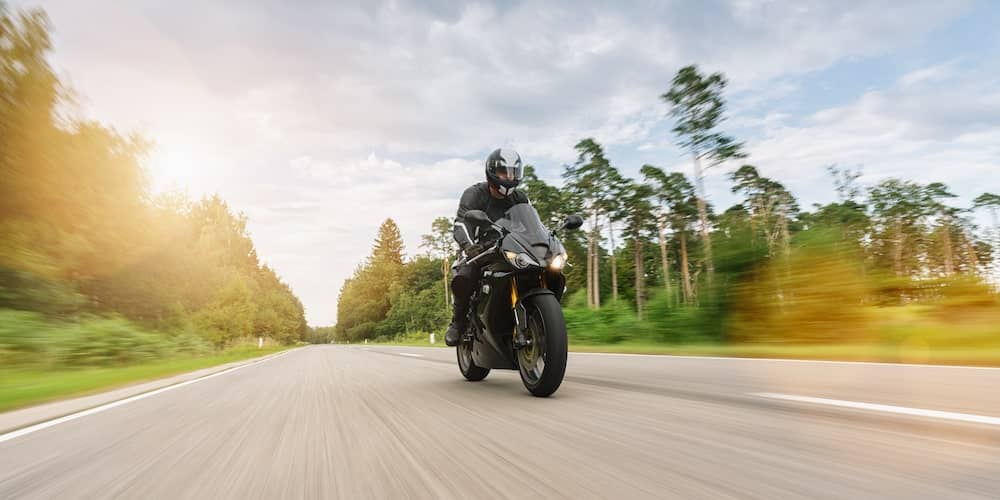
column 528, row 235
column 494, row 314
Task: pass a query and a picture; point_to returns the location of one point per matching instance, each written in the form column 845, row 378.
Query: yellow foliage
column 814, row 295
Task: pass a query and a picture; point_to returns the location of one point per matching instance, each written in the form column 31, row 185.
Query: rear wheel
column 468, row 367
column 542, row 363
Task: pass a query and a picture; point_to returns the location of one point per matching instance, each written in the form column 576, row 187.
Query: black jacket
column 478, row 197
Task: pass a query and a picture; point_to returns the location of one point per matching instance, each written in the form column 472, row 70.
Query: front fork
column 520, row 317
column 555, row 282
column 520, row 327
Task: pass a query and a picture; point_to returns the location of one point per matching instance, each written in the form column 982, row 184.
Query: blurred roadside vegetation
column 95, row 269
column 891, row 266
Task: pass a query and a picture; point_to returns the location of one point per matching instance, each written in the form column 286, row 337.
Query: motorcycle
column 515, row 317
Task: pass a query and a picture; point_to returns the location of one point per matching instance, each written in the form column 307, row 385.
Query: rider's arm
column 463, row 232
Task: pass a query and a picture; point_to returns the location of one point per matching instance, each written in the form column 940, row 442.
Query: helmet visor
column 509, row 173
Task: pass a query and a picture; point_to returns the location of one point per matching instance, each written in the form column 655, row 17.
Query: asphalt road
column 378, row 422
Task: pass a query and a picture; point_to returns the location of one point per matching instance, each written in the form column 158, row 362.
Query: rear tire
column 547, row 327
column 466, row 365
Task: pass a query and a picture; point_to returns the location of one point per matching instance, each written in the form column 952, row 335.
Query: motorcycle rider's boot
column 459, row 312
column 454, row 335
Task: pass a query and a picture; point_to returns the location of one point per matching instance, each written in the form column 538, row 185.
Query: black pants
column 463, row 283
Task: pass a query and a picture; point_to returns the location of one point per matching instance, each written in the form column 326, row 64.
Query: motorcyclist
column 504, row 171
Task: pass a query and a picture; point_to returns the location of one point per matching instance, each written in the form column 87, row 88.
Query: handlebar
column 479, row 252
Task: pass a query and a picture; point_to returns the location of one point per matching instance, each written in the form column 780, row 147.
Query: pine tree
column 697, row 104
column 388, row 247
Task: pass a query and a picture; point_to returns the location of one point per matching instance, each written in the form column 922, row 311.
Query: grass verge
column 28, row 386
column 885, row 353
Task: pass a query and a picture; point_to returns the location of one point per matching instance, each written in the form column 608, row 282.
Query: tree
column 388, row 249
column 587, row 179
column 441, row 243
column 845, row 181
column 640, row 220
column 365, row 298
column 680, row 202
column 553, row 206
column 898, row 206
column 613, row 205
column 651, row 172
column 551, row 203
column 697, row 105
column 991, row 202
column 769, row 205
column 81, row 235
column 936, row 193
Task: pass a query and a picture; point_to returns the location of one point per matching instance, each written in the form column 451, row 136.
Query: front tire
column 543, row 365
column 470, row 370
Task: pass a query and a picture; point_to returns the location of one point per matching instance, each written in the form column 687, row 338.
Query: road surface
column 384, row 422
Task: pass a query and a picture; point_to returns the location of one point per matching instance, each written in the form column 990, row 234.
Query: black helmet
column 504, row 170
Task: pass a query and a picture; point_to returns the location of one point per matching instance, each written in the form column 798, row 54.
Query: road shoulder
column 24, row 417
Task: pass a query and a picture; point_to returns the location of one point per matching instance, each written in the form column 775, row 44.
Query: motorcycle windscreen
column 523, row 221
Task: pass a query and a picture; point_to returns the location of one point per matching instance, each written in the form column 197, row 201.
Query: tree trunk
column 706, row 239
column 785, row 235
column 995, row 266
column 949, row 265
column 639, row 272
column 597, row 272
column 897, row 251
column 594, row 263
column 972, row 255
column 614, row 264
column 590, row 269
column 685, row 273
column 663, row 258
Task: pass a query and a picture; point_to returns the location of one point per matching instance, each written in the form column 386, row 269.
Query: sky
column 319, row 120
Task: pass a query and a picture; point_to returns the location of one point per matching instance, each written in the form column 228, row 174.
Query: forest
column 891, row 261
column 95, row 268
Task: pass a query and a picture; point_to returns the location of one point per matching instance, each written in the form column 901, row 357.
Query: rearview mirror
column 572, row 222
column 478, row 217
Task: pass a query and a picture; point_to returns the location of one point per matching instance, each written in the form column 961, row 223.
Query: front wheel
column 470, row 370
column 542, row 363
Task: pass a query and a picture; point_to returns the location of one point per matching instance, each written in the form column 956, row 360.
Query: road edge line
column 44, row 424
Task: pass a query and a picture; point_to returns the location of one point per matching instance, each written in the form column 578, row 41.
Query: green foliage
column 612, row 323
column 23, row 337
column 321, row 334
column 29, row 292
column 28, row 339
column 387, row 296
column 111, row 341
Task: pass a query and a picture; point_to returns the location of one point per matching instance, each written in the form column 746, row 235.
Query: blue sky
column 321, row 119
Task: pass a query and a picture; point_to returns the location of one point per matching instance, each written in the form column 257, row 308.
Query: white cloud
column 321, row 221
column 946, row 131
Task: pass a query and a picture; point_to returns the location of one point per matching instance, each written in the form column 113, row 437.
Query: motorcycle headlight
column 557, row 262
column 519, row 260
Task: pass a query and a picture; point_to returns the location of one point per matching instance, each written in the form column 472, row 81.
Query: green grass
column 22, row 387
column 412, row 339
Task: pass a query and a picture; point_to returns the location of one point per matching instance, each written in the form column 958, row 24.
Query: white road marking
column 902, row 410
column 97, row 409
column 411, row 355
column 783, row 360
